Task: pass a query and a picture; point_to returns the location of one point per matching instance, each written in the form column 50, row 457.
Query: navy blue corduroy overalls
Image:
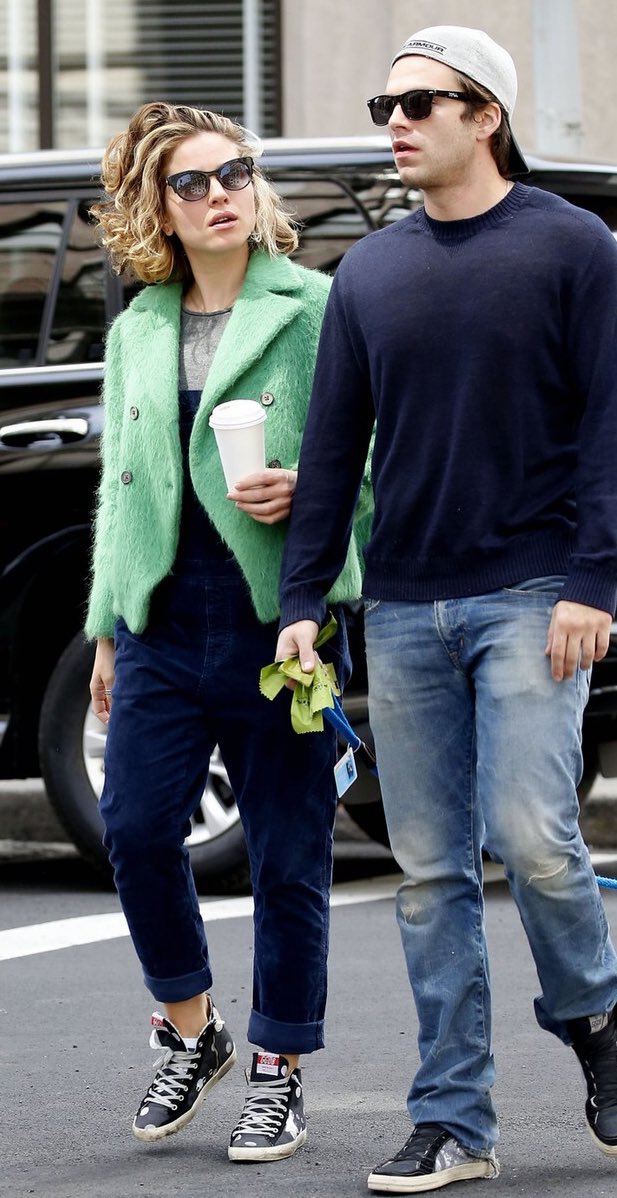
column 190, row 681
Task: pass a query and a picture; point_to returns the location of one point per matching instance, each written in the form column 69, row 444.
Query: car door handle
column 62, row 430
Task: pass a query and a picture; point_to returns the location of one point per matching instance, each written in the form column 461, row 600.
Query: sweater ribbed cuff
column 302, row 604
column 592, row 588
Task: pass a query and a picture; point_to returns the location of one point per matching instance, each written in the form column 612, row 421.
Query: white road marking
column 90, row 929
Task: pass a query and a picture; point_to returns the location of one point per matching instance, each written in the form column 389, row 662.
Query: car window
column 52, row 285
column 57, row 294
column 29, row 239
column 334, row 213
column 78, row 316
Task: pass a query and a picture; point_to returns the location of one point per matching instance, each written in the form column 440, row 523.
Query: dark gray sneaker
column 594, row 1040
column 431, row 1158
column 183, row 1077
column 272, row 1124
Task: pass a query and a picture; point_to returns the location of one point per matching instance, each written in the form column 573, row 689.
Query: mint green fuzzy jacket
column 267, row 352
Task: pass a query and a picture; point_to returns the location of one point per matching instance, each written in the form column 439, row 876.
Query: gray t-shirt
column 200, row 334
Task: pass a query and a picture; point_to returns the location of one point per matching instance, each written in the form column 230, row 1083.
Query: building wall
column 336, row 53
column 78, row 81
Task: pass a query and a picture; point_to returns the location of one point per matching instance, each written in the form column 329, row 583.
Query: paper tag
column 267, row 1063
column 345, row 772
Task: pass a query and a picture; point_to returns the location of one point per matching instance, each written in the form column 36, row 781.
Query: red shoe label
column 267, row 1063
column 157, row 1020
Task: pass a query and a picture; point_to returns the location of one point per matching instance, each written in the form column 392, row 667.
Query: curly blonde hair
column 131, row 215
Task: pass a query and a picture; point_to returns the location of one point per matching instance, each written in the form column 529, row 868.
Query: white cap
column 473, row 53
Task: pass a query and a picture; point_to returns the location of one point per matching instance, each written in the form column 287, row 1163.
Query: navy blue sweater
column 486, row 349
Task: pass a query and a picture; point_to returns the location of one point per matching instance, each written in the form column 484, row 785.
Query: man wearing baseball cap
column 478, row 336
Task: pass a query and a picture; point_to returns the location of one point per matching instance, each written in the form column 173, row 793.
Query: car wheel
column 71, row 753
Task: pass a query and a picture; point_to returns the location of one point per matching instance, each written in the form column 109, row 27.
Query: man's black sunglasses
column 195, row 185
column 416, row 104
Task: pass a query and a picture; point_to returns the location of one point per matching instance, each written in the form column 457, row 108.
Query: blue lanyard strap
column 336, row 716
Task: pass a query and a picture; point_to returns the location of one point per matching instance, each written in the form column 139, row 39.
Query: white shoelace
column 264, row 1107
column 174, row 1070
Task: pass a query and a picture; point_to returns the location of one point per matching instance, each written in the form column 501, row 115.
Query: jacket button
column 274, row 464
column 134, row 413
column 266, row 399
column 126, row 477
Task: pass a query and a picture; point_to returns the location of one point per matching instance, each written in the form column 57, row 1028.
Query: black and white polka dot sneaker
column 272, row 1124
column 183, row 1076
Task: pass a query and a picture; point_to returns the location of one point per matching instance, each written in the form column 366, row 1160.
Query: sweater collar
column 460, row 230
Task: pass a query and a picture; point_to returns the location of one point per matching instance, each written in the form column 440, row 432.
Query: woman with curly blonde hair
column 183, row 607
column 131, row 221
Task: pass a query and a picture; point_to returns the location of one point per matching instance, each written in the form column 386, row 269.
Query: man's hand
column 577, row 634
column 299, row 639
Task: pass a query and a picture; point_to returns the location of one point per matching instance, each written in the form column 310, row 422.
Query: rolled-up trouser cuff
column 179, row 989
column 285, row 1037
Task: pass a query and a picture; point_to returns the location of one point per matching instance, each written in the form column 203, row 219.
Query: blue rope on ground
column 336, row 716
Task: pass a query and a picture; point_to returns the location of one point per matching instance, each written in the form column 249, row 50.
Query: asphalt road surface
column 74, row 1056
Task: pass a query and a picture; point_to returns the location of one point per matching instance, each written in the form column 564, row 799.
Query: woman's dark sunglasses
column 416, row 104
column 195, row 185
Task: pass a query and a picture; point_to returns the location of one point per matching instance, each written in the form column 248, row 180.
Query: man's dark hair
column 501, row 138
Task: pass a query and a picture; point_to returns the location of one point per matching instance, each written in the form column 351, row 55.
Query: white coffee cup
column 239, row 430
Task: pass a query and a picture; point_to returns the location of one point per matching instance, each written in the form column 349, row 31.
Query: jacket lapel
column 269, row 300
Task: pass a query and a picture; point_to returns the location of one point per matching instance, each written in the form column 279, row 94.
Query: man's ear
column 488, row 120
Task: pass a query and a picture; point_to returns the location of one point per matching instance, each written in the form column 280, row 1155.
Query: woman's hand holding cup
column 265, row 495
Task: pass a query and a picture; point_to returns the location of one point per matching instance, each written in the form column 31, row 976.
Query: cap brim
column 516, row 164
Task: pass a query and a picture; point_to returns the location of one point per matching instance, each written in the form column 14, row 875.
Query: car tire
column 71, row 751
column 591, row 769
column 363, row 802
column 371, row 820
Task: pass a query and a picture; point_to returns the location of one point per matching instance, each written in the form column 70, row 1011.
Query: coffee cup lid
column 237, row 413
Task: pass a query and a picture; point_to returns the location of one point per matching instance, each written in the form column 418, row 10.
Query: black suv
column 56, row 298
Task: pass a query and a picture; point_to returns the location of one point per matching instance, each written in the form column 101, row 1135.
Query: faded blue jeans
column 477, row 745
